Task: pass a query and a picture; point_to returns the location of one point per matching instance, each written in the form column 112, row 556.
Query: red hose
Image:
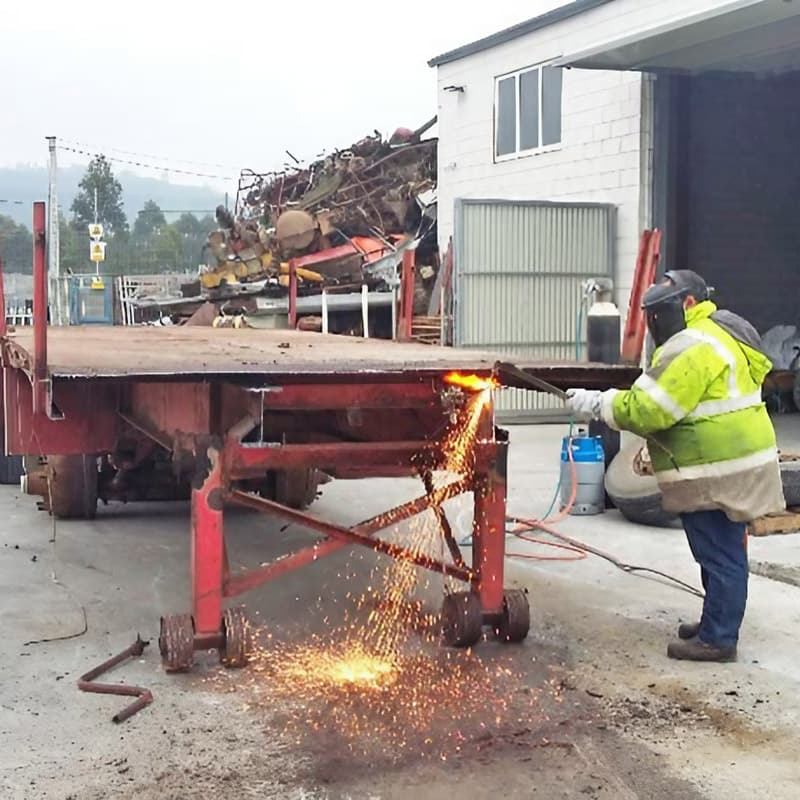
column 523, row 526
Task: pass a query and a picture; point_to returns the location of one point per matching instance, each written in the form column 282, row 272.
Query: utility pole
column 53, row 248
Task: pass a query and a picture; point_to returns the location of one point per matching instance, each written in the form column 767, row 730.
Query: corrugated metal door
column 519, row 273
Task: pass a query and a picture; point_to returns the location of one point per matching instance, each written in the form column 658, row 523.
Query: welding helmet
column 694, row 284
column 663, row 307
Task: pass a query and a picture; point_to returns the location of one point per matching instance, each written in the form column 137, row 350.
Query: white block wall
column 601, row 157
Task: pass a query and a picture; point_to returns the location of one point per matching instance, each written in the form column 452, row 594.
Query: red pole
column 3, row 325
column 39, row 308
column 407, row 295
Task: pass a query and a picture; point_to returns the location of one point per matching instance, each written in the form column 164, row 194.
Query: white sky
column 232, row 83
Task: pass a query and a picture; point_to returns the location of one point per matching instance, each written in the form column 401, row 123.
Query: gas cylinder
column 589, row 473
column 603, row 324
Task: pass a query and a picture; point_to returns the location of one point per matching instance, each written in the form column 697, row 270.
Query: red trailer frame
column 251, row 417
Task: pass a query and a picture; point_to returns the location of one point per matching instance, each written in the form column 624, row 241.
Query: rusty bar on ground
column 86, row 683
column 349, row 536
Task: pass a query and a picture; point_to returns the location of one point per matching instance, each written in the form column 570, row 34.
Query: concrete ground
column 588, row 707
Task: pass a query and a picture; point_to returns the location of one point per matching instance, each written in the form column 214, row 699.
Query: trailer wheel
column 296, row 488
column 176, row 642
column 237, row 646
column 634, row 492
column 72, row 486
column 516, row 620
column 462, row 619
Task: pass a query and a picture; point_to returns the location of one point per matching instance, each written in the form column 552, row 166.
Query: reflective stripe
column 659, row 396
column 713, row 407
column 720, row 469
column 722, row 351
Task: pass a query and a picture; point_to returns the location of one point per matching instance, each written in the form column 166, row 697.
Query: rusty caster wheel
column 176, row 642
column 516, row 620
column 237, row 638
column 462, row 619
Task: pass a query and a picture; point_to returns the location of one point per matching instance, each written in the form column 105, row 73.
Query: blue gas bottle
column 589, row 459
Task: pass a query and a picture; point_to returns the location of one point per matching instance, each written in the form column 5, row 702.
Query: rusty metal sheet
column 291, row 356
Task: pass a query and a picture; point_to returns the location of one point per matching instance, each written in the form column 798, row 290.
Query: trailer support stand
column 208, row 548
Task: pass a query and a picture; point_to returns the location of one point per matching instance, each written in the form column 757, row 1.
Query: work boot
column 688, row 630
column 695, row 650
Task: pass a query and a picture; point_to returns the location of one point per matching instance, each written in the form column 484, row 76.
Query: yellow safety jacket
column 709, row 435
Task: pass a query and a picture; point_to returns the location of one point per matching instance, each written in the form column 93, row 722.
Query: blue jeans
column 719, row 547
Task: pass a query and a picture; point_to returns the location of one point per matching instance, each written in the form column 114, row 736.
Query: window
column 527, row 111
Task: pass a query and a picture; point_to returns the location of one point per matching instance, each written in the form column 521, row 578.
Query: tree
column 110, row 213
column 16, row 246
column 149, row 221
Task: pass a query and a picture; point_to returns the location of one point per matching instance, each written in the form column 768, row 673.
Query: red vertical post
column 644, row 274
column 407, row 295
column 489, row 532
column 208, row 547
column 39, row 310
column 3, row 325
column 292, row 294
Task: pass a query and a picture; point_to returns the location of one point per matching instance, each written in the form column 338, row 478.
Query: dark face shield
column 663, row 306
column 665, row 321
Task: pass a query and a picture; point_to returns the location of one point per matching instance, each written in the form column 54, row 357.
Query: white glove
column 584, row 404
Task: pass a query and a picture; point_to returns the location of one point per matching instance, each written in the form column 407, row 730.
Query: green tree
column 110, row 212
column 16, row 246
column 149, row 221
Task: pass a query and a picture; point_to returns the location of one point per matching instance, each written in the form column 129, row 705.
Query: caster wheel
column 516, row 620
column 462, row 619
column 237, row 637
column 176, row 642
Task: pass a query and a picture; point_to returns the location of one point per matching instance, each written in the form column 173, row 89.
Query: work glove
column 584, row 404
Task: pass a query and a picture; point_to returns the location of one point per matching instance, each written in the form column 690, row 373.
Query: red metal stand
column 643, row 276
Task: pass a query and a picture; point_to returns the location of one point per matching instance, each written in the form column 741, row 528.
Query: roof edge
column 516, row 31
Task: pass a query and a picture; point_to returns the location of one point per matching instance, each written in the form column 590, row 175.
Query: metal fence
column 519, row 272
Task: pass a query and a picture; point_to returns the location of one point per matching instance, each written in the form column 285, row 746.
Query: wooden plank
column 785, row 522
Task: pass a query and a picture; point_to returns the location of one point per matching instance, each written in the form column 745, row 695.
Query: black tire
column 296, row 488
column 790, row 478
column 72, row 486
column 796, row 390
column 637, row 496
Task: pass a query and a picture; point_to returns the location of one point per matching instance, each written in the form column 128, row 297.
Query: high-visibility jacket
column 710, row 438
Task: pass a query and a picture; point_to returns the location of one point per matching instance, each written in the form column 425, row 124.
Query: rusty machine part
column 87, row 682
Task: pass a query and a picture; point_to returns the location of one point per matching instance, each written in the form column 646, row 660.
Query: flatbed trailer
column 253, row 418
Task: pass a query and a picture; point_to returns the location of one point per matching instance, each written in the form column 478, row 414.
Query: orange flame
column 473, row 383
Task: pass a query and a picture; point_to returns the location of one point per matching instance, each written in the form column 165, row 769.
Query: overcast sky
column 229, row 83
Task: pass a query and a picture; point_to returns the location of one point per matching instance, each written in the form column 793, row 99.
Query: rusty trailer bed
column 184, row 351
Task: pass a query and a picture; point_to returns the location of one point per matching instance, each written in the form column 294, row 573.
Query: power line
column 14, row 202
column 144, row 165
column 149, row 155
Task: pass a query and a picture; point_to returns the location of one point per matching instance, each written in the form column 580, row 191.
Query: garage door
column 520, row 267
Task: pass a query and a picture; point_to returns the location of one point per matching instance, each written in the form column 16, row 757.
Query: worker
column 711, row 444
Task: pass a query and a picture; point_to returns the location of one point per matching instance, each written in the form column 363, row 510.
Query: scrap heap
column 344, row 220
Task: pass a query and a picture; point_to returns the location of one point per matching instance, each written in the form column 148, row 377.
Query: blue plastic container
column 589, row 458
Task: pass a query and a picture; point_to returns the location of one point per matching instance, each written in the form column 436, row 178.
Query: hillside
column 30, row 183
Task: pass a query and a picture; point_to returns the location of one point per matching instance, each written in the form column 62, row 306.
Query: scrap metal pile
column 343, row 221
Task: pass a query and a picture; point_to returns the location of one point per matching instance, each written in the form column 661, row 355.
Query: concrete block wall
column 600, row 156
column 744, row 179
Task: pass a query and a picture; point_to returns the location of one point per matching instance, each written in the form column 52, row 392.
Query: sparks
column 367, row 679
column 473, row 383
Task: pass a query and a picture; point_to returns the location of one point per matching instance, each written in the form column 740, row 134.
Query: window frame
column 541, row 148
